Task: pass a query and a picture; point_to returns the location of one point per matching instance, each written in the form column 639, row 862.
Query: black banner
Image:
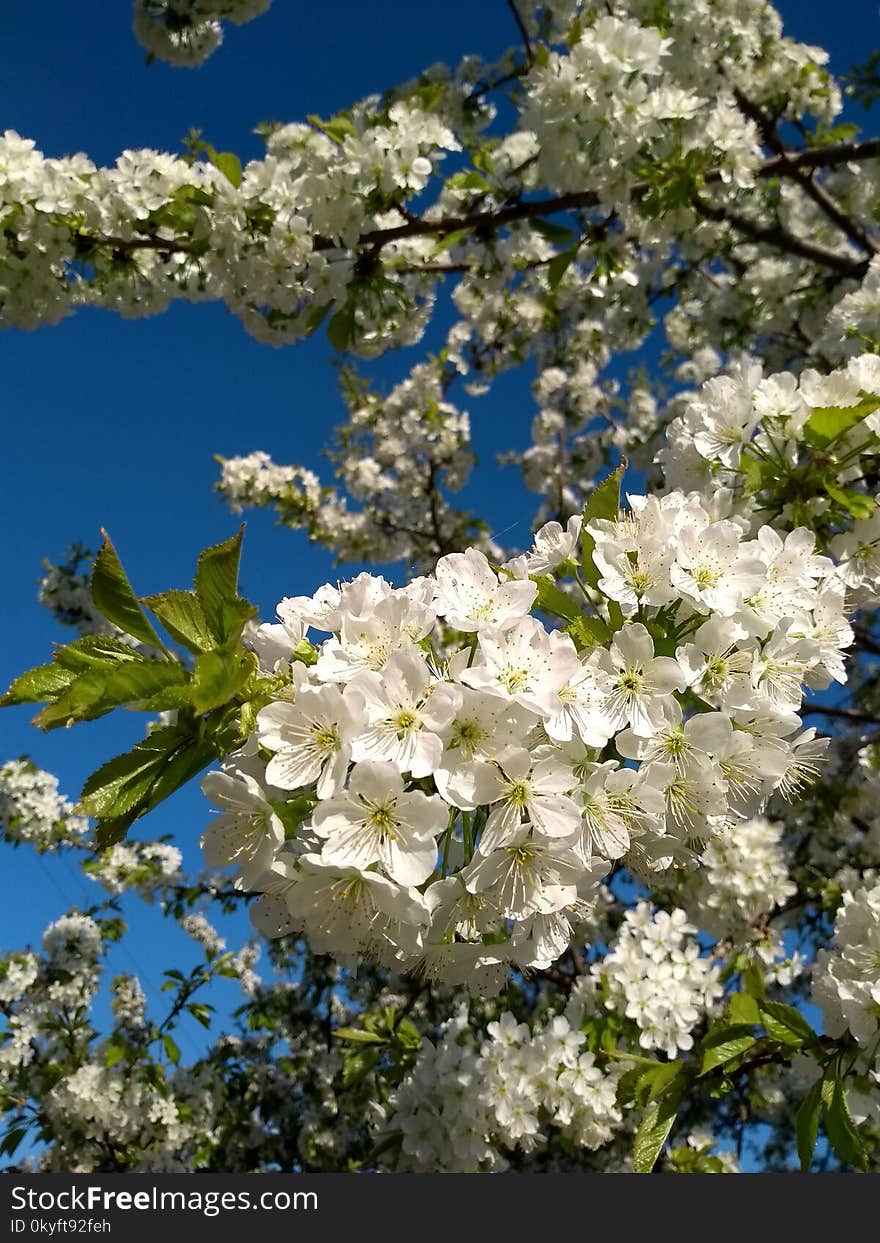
column 286, row 1206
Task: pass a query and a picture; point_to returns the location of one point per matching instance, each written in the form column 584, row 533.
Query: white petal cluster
column 656, row 976
column 453, row 803
column 184, row 33
column 441, row 1109
column 275, row 246
column 144, row 866
column 744, row 876
column 462, row 1107
column 32, row 809
column 546, row 1077
column 846, row 981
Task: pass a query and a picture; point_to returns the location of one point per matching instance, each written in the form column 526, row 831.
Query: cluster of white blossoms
column 614, row 112
column 32, row 809
column 144, row 866
column 435, row 784
column 744, row 419
column 846, row 981
column 462, row 1106
column 185, row 32
column 121, row 1110
column 744, row 876
column 395, row 458
column 274, row 246
column 654, row 975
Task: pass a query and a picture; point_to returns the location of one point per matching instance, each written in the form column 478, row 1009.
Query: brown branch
column 776, row 235
column 523, row 32
column 844, row 714
column 767, row 127
column 485, row 222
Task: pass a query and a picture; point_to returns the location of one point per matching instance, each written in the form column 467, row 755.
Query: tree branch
column 844, row 714
column 849, row 227
column 523, row 32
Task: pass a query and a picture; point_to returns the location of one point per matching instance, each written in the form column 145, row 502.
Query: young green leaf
column 603, row 502
column 39, row 685
column 107, row 686
column 114, row 598
column 840, row 1128
column 653, row 1131
column 217, row 588
column 743, row 1008
column 552, row 599
column 220, row 675
column 171, row 1049
column 131, row 784
column 97, row 649
column 828, row 422
column 807, row 1125
column 357, row 1035
column 182, row 615
column 855, row 503
column 559, row 265
column 723, row 1044
column 589, row 632
column 785, row 1023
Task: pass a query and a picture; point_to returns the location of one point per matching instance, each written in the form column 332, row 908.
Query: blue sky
column 113, row 423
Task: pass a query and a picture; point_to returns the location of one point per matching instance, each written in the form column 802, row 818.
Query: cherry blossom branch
column 849, row 227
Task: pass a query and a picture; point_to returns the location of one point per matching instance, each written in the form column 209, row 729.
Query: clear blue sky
column 113, row 423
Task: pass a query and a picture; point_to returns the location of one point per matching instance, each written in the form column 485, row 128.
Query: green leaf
column 105, row 687
column 184, row 618
column 757, row 472
column 217, row 589
column 121, row 784
column 171, row 1048
column 114, row 598
column 357, row 1035
column 358, row 1065
column 38, row 685
column 743, row 1008
column 807, row 1125
column 131, row 784
column 589, row 632
column 293, row 812
column 603, row 502
column 559, row 265
column 219, row 676
column 855, row 503
column 229, row 165
column 627, row 1084
column 657, row 1080
column 840, row 1128
column 653, row 1131
column 96, row 649
column 201, row 1012
column 114, row 1053
column 305, row 652
column 11, row 1140
column 338, row 128
column 468, row 179
column 552, row 599
column 553, row 232
column 448, row 241
column 753, row 981
column 408, row 1034
column 724, row 1044
column 828, row 422
column 785, row 1023
column 340, row 329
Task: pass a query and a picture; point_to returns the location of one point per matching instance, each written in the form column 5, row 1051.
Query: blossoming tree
column 564, row 876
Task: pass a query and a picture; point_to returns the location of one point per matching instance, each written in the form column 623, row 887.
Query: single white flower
column 377, row 822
